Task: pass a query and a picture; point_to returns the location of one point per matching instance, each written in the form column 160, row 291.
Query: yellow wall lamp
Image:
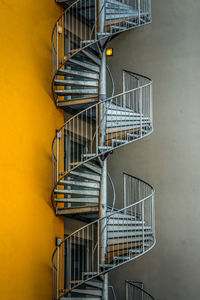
column 109, row 52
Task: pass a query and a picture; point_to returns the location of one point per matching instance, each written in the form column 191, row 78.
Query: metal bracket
column 58, row 241
column 59, row 134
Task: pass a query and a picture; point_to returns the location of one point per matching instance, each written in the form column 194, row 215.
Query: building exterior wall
column 168, row 52
column 28, row 119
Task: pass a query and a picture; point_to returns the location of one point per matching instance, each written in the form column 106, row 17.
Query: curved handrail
column 137, row 103
column 134, row 284
column 58, row 33
column 98, row 228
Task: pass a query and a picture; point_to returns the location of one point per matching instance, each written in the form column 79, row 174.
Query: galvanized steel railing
column 135, row 291
column 108, row 242
column 124, row 118
column 79, row 27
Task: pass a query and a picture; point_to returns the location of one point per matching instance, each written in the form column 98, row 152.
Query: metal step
column 78, row 200
column 121, row 113
column 88, row 155
column 123, row 216
column 135, row 251
column 124, row 258
column 115, row 16
column 131, row 23
column 126, row 123
column 118, row 28
column 132, row 135
column 147, row 245
column 73, row 73
column 126, row 240
column 126, row 118
column 77, row 298
column 94, row 284
column 118, row 107
column 125, row 228
column 102, row 35
column 104, row 148
column 117, row 3
column 118, row 222
column 119, row 141
column 77, row 101
column 81, row 210
column 93, row 168
column 87, row 42
column 92, row 57
column 88, row 292
column 76, row 92
column 86, row 176
column 84, row 65
column 84, row 83
column 127, row 234
column 93, row 185
column 78, row 192
column 106, row 266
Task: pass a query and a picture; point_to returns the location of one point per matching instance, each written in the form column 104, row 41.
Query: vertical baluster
column 58, row 269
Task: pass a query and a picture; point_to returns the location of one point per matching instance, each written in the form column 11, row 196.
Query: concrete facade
column 168, row 52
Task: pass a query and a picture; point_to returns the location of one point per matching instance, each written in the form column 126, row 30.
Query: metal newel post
column 139, row 13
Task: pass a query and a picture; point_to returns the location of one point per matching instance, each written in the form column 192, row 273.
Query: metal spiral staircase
column 121, row 232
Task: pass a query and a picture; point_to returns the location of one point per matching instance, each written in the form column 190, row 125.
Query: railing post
column 125, row 196
column 149, row 9
column 139, row 12
column 124, row 87
column 57, row 292
column 143, row 241
column 140, row 110
column 151, row 107
column 153, row 216
column 126, row 290
column 59, row 135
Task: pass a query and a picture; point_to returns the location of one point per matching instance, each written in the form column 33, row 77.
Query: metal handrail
column 97, row 39
column 134, row 284
column 146, row 204
column 116, row 100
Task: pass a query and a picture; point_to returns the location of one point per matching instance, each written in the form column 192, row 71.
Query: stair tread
column 86, row 175
column 92, row 57
column 86, row 209
column 77, row 101
column 84, row 83
column 80, row 91
column 77, row 200
column 89, row 184
column 85, row 192
column 74, row 73
column 87, row 66
column 88, row 292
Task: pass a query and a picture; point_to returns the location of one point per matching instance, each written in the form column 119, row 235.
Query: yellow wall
column 28, row 119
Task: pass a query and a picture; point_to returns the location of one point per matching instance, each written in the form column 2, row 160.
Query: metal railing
column 124, row 118
column 76, row 26
column 135, row 291
column 106, row 243
column 79, row 27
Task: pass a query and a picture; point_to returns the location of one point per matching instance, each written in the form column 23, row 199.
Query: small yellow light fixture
column 59, row 29
column 109, row 52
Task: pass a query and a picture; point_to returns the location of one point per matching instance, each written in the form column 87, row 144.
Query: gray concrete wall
column 169, row 52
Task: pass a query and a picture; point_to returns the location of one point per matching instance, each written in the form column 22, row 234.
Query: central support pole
column 102, row 119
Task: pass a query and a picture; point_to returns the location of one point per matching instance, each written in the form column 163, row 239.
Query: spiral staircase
column 115, row 234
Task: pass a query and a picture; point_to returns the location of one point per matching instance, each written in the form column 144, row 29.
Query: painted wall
column 28, row 119
column 167, row 51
